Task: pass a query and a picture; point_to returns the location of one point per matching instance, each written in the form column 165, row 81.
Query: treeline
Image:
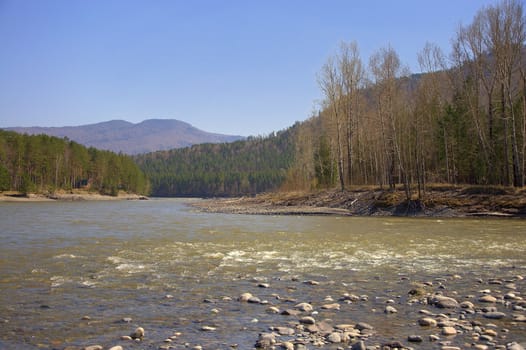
column 462, row 121
column 246, row 167
column 42, row 163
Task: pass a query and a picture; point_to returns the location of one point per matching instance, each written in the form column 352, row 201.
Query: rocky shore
column 438, row 201
column 449, row 312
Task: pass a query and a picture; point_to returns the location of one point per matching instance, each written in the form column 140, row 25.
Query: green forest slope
column 45, row 164
column 255, row 165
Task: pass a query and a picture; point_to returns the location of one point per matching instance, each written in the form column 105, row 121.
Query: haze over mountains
column 129, row 138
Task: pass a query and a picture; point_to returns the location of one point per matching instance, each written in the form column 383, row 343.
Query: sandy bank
column 76, row 196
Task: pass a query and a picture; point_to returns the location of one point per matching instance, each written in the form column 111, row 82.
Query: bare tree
column 331, row 84
column 505, row 40
column 387, row 70
column 488, row 53
column 476, row 73
column 352, row 77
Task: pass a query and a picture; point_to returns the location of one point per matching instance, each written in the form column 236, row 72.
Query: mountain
column 122, row 136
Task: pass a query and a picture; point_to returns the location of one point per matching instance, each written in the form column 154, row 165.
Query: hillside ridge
column 132, row 138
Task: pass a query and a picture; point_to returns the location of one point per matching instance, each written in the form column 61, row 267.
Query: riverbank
column 446, row 312
column 66, row 196
column 90, row 275
column 438, row 201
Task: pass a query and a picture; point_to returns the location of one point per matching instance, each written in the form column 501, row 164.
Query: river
column 74, row 274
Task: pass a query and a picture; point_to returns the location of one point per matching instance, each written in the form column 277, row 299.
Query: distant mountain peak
column 133, row 138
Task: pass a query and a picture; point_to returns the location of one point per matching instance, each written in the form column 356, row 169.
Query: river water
column 80, row 273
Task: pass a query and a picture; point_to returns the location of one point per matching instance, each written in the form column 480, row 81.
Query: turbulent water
column 166, row 267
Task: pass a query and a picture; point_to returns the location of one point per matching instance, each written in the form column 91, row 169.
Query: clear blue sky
column 242, row 67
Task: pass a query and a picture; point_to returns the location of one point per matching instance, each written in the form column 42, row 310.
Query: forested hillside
column 462, row 121
column 42, row 163
column 252, row 166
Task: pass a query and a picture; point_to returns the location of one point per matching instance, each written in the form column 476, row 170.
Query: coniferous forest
column 42, row 164
column 255, row 165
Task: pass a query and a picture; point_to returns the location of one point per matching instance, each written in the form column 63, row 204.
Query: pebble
column 495, row 315
column 486, row 338
column 487, row 299
column 390, row 310
column 449, row 331
column 444, row 302
column 415, row 339
column 93, row 347
column 335, row 337
column 362, row 325
column 208, row 328
column 245, row 297
column 138, row 333
column 495, row 281
column 254, row 300
column 333, row 306
column 481, row 347
column 287, row 345
column 312, row 283
column 266, row 340
column 290, row 312
column 349, row 297
column 434, row 337
column 307, row 320
column 284, row 330
column 273, row 310
column 427, row 322
column 116, row 347
column 393, row 345
column 491, row 332
column 359, row 346
column 514, row 346
column 467, row 305
column 305, row 307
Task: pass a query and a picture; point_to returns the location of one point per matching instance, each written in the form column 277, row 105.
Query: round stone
column 307, row 320
column 415, row 339
column 335, row 337
column 427, row 322
column 449, row 331
column 495, row 315
column 487, row 299
column 390, row 310
column 138, row 333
